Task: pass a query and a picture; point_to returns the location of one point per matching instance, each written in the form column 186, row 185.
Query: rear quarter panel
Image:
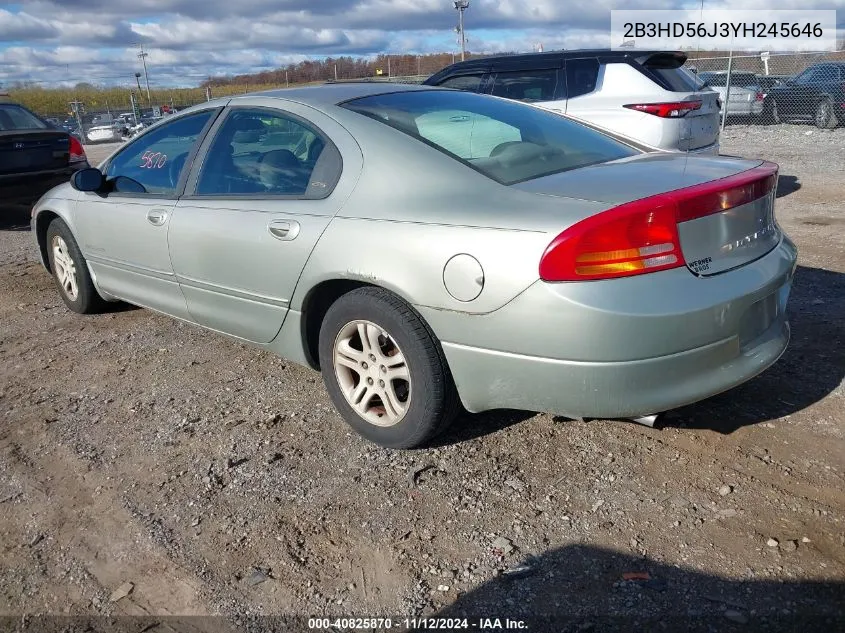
column 414, row 208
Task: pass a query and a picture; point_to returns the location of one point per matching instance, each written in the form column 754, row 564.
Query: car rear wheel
column 825, row 116
column 384, row 370
column 70, row 270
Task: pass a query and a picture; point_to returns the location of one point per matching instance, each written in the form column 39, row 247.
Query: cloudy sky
column 66, row 41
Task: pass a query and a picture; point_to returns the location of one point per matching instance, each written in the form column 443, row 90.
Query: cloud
column 59, row 40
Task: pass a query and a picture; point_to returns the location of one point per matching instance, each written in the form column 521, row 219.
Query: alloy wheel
column 372, row 373
column 65, row 268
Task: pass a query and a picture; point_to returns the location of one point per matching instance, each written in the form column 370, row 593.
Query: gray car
column 428, row 248
column 746, row 97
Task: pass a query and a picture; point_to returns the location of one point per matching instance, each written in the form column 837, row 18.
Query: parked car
column 746, row 96
column 767, row 82
column 425, row 247
column 647, row 96
column 104, row 133
column 817, row 94
column 34, row 156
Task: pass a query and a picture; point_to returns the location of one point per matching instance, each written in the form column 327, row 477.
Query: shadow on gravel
column 576, row 589
column 583, row 588
column 812, row 367
column 787, row 185
column 470, row 426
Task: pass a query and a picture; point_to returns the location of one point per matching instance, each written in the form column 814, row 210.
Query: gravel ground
column 215, row 479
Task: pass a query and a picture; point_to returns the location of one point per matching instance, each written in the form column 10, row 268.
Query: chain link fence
column 771, row 88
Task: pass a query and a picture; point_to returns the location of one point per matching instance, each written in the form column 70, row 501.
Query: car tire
column 70, row 270
column 384, row 369
column 825, row 117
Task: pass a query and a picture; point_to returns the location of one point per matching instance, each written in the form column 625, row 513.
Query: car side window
column 581, row 76
column 471, row 83
column 155, row 161
column 259, row 151
column 526, row 85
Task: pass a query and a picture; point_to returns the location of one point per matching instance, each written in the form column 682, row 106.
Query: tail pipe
column 647, row 420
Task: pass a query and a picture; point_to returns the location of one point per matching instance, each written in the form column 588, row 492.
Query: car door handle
column 157, row 217
column 283, row 229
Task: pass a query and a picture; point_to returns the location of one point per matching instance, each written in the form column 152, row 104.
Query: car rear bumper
column 745, row 108
column 23, row 190
column 622, row 348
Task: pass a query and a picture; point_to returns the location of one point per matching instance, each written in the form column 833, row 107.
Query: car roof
column 334, row 93
column 568, row 54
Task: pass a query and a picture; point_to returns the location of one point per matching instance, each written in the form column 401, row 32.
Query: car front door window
column 154, row 163
column 259, row 152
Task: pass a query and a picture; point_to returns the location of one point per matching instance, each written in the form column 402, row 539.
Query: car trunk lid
column 724, row 207
column 700, row 127
column 33, row 150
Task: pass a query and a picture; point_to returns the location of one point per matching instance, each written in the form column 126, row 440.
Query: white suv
column 647, row 96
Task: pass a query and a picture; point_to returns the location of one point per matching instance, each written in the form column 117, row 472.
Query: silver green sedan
column 428, row 248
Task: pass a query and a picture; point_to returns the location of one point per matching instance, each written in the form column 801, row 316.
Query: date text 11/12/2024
column 416, row 624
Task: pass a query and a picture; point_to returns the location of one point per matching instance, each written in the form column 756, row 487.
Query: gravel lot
column 217, row 479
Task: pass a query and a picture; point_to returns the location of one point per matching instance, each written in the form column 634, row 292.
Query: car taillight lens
column 642, row 236
column 666, row 110
column 760, row 96
column 76, row 151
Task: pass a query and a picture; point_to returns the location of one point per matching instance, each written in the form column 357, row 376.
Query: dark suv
column 817, row 95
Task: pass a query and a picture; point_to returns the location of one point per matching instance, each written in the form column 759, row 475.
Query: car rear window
column 505, row 140
column 670, row 72
column 14, row 117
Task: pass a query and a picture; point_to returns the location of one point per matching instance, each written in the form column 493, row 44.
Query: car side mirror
column 90, row 179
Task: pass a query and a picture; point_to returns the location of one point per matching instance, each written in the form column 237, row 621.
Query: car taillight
column 642, row 236
column 760, row 96
column 76, row 152
column 666, row 110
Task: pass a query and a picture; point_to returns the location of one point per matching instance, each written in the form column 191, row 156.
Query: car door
column 272, row 176
column 801, row 95
column 123, row 233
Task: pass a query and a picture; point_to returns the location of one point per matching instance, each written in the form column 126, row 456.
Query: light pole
column 461, row 6
column 143, row 55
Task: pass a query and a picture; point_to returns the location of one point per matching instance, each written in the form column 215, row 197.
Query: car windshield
column 14, row 117
column 505, row 140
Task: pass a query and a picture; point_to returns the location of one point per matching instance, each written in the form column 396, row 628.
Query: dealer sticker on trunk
column 700, row 265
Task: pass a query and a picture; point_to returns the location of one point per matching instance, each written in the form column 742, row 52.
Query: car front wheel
column 70, row 270
column 384, row 370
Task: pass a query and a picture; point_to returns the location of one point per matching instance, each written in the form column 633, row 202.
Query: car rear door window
column 154, row 163
column 265, row 152
column 471, row 83
column 526, row 85
column 582, row 76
